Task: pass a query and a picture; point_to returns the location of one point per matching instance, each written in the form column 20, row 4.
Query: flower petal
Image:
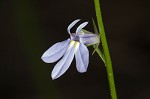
column 71, row 25
column 89, row 39
column 55, row 52
column 80, row 27
column 62, row 66
column 82, row 57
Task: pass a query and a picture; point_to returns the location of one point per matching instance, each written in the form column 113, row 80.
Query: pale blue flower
column 75, row 45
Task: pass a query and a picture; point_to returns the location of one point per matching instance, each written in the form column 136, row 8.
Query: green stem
column 106, row 50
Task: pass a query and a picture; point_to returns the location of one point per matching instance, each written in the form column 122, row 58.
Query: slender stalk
column 108, row 62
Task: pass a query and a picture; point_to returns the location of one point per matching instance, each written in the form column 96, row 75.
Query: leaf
column 96, row 48
column 100, row 53
column 95, row 28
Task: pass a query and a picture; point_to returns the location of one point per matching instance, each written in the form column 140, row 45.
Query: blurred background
column 29, row 27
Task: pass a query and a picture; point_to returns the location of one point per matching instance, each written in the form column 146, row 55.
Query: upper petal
column 55, row 52
column 62, row 66
column 80, row 27
column 71, row 25
column 82, row 57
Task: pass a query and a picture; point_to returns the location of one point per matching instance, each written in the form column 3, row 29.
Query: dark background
column 29, row 27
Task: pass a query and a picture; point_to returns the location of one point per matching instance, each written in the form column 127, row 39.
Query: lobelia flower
column 75, row 45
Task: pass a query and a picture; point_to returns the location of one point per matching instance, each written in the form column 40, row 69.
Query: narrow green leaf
column 96, row 48
column 99, row 52
column 95, row 28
